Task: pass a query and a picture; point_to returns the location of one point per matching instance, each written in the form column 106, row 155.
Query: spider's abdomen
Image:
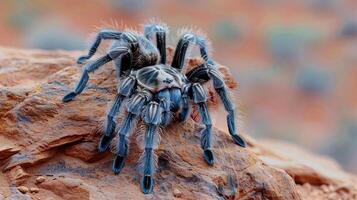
column 159, row 77
column 146, row 54
column 143, row 53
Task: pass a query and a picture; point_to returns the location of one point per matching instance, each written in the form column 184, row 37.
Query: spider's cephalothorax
column 155, row 91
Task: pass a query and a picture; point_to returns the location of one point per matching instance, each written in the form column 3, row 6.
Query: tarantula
column 155, row 91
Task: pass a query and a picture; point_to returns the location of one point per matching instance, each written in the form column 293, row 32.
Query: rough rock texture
column 50, row 148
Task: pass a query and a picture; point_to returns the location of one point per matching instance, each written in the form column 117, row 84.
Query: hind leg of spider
column 101, row 35
column 134, row 109
column 125, row 90
column 152, row 119
column 91, row 67
column 160, row 31
column 221, row 89
column 200, row 98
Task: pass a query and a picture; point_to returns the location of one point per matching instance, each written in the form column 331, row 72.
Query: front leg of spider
column 126, row 88
column 134, row 109
column 152, row 119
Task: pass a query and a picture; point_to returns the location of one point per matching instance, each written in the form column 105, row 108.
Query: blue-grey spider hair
column 157, row 91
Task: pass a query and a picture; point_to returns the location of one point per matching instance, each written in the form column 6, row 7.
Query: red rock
column 86, row 151
column 59, row 140
column 40, row 179
column 34, row 190
column 17, row 175
column 23, row 189
column 177, row 193
column 7, row 148
column 66, row 188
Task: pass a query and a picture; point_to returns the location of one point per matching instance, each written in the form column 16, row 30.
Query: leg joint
column 216, row 76
column 127, row 86
column 118, row 51
column 136, row 104
column 199, row 94
column 153, row 113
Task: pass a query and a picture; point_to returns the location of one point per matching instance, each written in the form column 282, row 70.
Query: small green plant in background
column 343, row 147
column 313, row 80
column 287, row 43
column 53, row 35
column 226, row 30
column 129, row 6
column 29, row 18
column 22, row 13
column 349, row 28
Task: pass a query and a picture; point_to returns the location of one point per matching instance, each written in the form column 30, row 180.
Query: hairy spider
column 155, row 91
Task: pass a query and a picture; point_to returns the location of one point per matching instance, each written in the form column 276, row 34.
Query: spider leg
column 182, row 46
column 134, row 109
column 125, row 90
column 91, row 67
column 103, row 34
column 185, row 107
column 221, row 89
column 200, row 98
column 152, row 119
column 204, row 73
column 160, row 31
column 207, row 72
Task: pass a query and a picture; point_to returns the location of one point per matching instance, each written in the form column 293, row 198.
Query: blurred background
column 296, row 61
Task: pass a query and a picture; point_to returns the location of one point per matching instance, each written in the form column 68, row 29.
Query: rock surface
column 50, row 147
